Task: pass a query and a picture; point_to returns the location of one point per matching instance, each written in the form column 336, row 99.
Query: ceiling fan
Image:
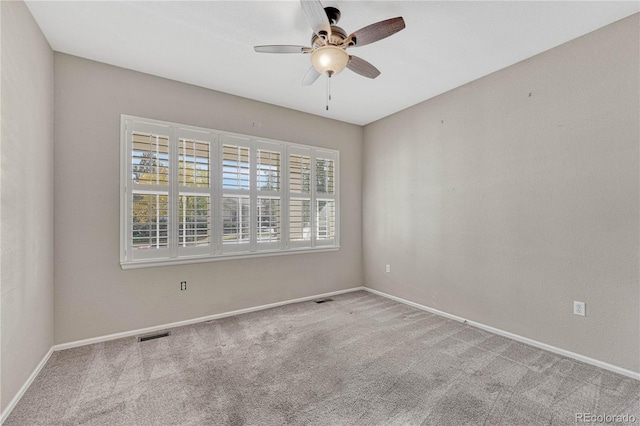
column 330, row 42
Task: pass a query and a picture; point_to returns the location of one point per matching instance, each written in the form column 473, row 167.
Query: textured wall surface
column 505, row 200
column 94, row 296
column 26, row 198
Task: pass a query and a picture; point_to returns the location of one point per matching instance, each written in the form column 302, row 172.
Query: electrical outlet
column 579, row 308
column 388, row 268
column 183, row 285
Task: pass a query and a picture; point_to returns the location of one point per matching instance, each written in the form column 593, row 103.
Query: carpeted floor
column 358, row 360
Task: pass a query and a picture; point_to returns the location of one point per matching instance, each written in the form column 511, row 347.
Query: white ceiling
column 210, row 44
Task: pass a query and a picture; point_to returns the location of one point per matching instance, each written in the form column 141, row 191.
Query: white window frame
column 216, row 250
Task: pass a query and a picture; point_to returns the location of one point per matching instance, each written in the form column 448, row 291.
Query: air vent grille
column 154, row 336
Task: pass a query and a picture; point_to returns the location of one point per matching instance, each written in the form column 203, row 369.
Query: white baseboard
column 531, row 342
column 148, row 330
column 25, row 386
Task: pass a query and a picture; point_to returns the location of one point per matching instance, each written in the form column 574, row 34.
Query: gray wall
column 93, row 296
column 26, row 198
column 505, row 200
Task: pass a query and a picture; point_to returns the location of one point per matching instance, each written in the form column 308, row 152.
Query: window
column 190, row 195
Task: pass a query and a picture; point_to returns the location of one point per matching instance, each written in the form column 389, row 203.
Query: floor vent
column 324, row 300
column 153, row 336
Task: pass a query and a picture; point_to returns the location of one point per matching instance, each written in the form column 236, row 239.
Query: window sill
column 151, row 263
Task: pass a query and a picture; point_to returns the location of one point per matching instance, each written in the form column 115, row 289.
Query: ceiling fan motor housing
column 338, row 35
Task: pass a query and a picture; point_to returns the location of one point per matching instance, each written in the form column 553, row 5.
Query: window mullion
column 184, row 203
column 284, row 197
column 127, row 196
column 284, row 205
column 336, row 198
column 312, row 188
column 253, row 197
column 174, row 192
column 215, row 198
column 221, row 194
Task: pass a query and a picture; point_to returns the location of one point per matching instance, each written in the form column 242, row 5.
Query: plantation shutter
column 195, row 193
column 236, row 194
column 148, row 208
column 268, row 195
column 190, row 194
column 300, row 226
column 325, row 174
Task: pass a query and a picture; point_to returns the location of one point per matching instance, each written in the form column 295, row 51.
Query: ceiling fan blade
column 282, row 48
column 362, row 67
column 377, row 31
column 316, row 17
column 310, row 77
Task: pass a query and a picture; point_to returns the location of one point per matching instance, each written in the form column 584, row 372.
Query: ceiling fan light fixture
column 329, row 60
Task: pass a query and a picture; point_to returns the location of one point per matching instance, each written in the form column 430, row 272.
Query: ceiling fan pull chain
column 328, row 97
column 328, row 90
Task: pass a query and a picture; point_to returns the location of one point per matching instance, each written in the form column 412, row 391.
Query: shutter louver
column 268, row 178
column 235, row 167
column 235, row 219
column 299, row 220
column 194, row 221
column 326, row 217
column 149, row 218
column 268, row 220
column 325, row 210
column 194, row 163
column 236, row 208
column 268, row 170
column 150, row 221
column 300, row 199
column 325, row 176
column 150, row 159
column 300, row 173
column 194, row 204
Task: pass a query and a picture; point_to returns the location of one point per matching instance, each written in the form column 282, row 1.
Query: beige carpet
column 358, row 360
